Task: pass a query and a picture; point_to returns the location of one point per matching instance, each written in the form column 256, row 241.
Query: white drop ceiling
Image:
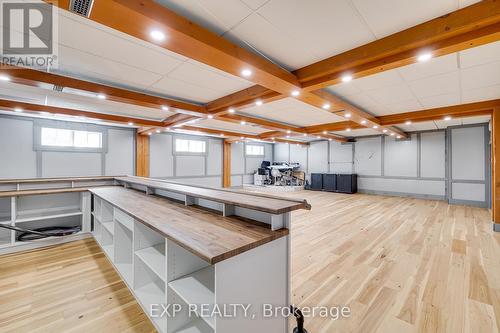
column 232, row 127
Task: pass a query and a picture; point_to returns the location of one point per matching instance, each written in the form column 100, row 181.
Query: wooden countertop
column 206, row 234
column 53, row 180
column 264, row 203
column 21, row 193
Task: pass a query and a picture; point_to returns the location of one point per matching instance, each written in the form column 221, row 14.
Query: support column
column 495, row 168
column 142, row 155
column 226, row 164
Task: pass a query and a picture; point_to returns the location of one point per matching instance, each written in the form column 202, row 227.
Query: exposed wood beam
column 274, row 135
column 465, row 28
column 37, row 108
column 139, row 17
column 226, row 164
column 142, row 155
column 333, row 127
column 272, row 125
column 242, row 98
column 33, row 77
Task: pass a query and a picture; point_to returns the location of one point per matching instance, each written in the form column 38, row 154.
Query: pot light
column 447, row 118
column 258, row 102
column 210, row 116
column 399, row 137
column 304, row 134
column 246, row 72
column 130, row 123
column 392, row 134
column 243, row 122
column 157, row 131
column 347, row 115
column 318, row 137
column 157, row 35
column 363, row 122
column 221, row 134
column 272, row 139
column 288, row 136
column 330, row 139
column 348, row 129
column 346, row 78
column 324, row 132
column 231, row 110
column 326, row 106
column 288, row 131
column 408, row 122
column 164, row 108
column 18, row 110
column 295, row 93
column 384, row 130
column 242, row 138
column 101, row 96
column 150, row 133
column 4, row 78
column 375, row 126
column 424, row 57
column 168, row 128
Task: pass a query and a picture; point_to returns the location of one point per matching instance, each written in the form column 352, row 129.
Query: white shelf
column 149, row 294
column 154, row 258
column 28, row 217
column 197, row 288
column 109, row 226
column 109, row 249
column 126, row 272
column 197, row 326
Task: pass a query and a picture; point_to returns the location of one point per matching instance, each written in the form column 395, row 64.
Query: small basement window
column 254, row 150
column 190, row 146
column 59, row 137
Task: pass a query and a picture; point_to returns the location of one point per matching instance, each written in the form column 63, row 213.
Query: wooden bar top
column 56, row 180
column 21, row 193
column 263, row 203
column 204, row 233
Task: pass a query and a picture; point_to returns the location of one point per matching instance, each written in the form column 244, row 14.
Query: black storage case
column 316, row 181
column 347, row 183
column 329, row 182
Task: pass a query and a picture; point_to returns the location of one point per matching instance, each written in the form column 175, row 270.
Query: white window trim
column 185, row 153
column 255, row 144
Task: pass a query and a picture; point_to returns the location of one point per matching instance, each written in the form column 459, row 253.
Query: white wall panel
column 252, row 164
column 298, row 154
column 268, row 152
column 64, row 164
column 200, row 181
column 281, row 152
column 400, row 157
column 341, row 157
column 237, row 159
column 467, row 154
column 189, row 166
column 161, row 160
column 467, row 191
column 432, row 155
column 18, row 160
column 318, row 157
column 236, row 180
column 407, row 186
column 120, row 156
column 367, row 156
column 214, row 157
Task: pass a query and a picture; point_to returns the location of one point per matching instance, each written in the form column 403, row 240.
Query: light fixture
column 348, row 129
column 158, row 131
column 242, row 138
column 288, row 131
column 326, row 106
column 18, row 110
column 384, row 130
column 210, row 116
column 346, row 78
column 130, row 123
column 246, row 72
column 150, row 133
column 258, row 102
column 424, row 57
column 347, row 115
column 243, row 122
column 324, row 132
column 231, row 110
column 157, row 35
column 168, row 128
column 164, row 108
column 295, row 93
column 375, row 126
column 305, row 134
column 318, row 137
column 101, row 96
column 272, row 138
column 330, row 139
column 392, row 134
column 399, row 137
column 363, row 122
column 221, row 134
column 4, row 78
column 408, row 122
column 447, row 118
column 288, row 136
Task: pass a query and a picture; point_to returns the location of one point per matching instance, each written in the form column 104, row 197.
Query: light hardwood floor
column 402, row 265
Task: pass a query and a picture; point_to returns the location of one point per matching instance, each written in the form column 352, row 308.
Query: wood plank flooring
column 401, row 264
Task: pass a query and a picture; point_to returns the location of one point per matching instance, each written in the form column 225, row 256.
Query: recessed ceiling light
column 168, row 128
column 158, row 131
column 18, row 110
column 243, row 122
column 330, row 139
column 318, row 137
column 447, row 118
column 210, row 116
column 392, row 134
column 399, row 137
column 164, row 108
column 305, row 134
column 288, row 136
column 346, row 78
column 326, row 106
column 424, row 57
column 347, row 115
column 384, row 130
column 242, row 138
column 324, row 132
column 272, row 138
column 150, row 133
column 295, row 93
column 130, row 123
column 348, row 129
column 221, row 134
column 408, row 122
column 246, row 72
column 4, row 78
column 258, row 102
column 101, row 96
column 157, row 35
column 231, row 110
column 288, row 131
column 375, row 126
column 363, row 122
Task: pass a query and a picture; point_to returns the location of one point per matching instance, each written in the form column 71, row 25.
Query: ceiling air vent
column 81, row 7
column 58, row 88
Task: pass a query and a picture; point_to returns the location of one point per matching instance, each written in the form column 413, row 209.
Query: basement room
column 242, row 166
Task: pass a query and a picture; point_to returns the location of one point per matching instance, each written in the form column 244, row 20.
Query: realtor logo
column 28, row 33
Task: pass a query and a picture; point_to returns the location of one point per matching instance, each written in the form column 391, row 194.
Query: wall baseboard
column 404, row 195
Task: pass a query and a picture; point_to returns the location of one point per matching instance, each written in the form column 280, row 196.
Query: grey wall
column 20, row 159
column 242, row 167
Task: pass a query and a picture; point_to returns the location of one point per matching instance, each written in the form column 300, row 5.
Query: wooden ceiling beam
column 30, row 108
column 138, row 18
column 465, row 28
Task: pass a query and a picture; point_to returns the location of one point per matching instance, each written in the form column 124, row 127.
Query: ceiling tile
column 344, row 89
column 420, row 126
column 223, row 125
column 405, row 106
column 476, row 120
column 254, row 4
column 481, row 76
column 358, row 132
column 480, row 55
column 386, row 17
column 434, row 66
column 377, row 81
column 391, row 95
column 440, row 100
column 465, row 3
column 184, row 90
column 445, row 123
column 436, row 85
column 481, row 94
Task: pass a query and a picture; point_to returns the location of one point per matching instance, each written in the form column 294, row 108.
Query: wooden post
column 142, row 155
column 226, row 165
column 495, row 168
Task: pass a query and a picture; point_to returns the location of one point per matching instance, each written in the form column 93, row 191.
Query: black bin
column 347, row 183
column 317, row 181
column 329, row 182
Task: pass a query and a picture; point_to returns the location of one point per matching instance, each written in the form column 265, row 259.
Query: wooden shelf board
column 154, row 258
column 197, row 288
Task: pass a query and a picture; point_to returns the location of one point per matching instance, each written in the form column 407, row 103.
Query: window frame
column 186, row 153
column 258, row 145
column 37, row 136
